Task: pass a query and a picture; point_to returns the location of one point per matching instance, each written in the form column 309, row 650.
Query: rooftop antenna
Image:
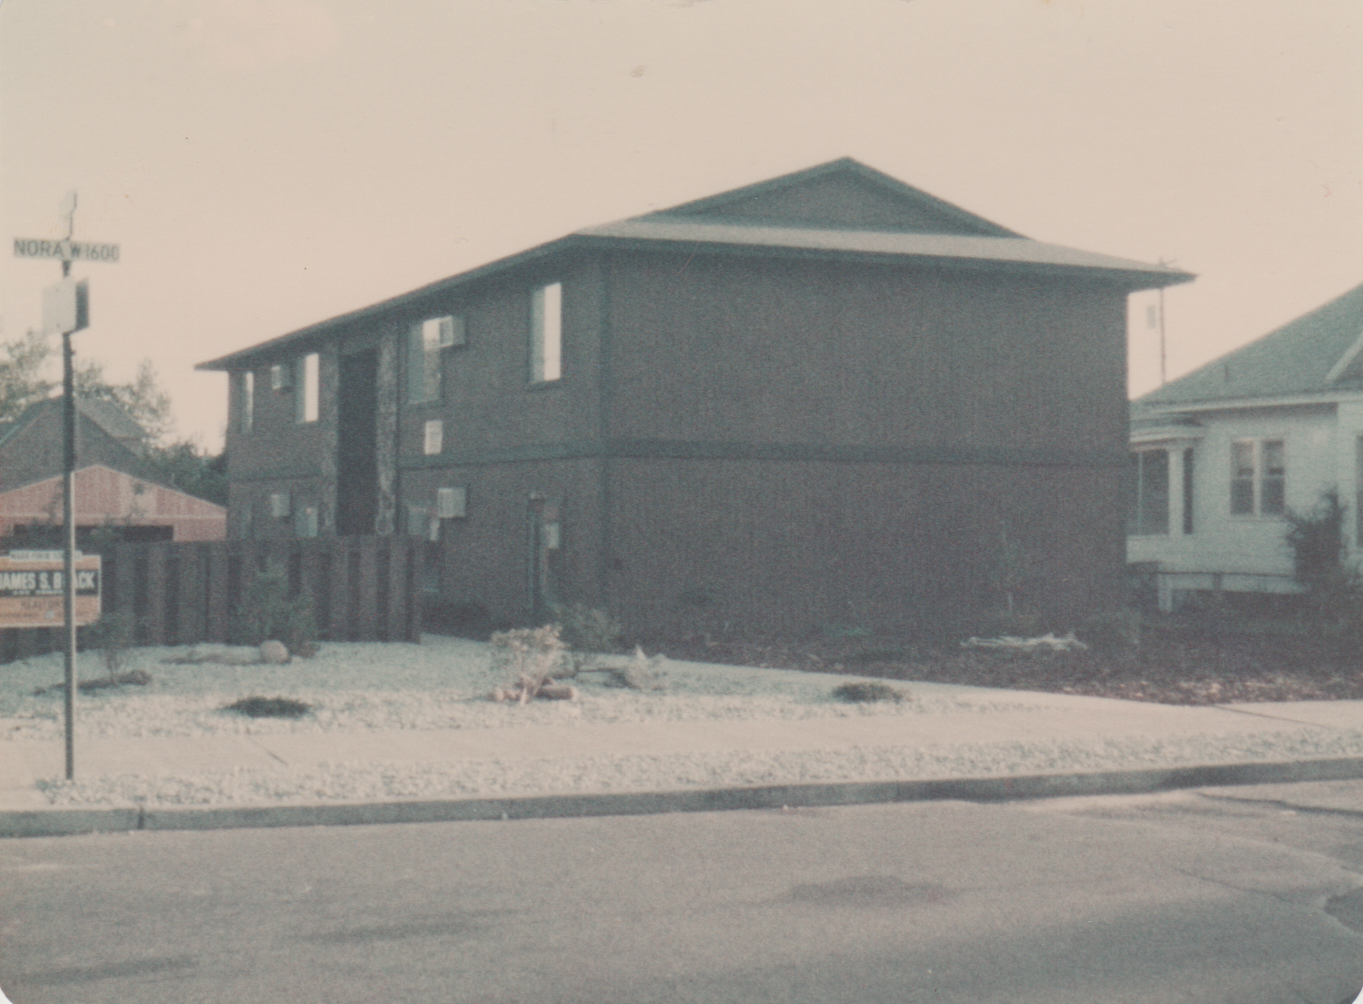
column 1165, row 264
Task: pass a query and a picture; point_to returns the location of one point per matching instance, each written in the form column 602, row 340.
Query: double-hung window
column 1148, row 511
column 246, row 401
column 425, row 347
column 546, row 333
column 1258, row 483
column 307, row 387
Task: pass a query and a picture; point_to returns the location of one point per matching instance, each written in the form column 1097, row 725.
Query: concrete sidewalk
column 1026, row 717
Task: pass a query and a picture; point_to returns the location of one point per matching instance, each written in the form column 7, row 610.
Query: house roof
column 1318, row 353
column 106, row 414
column 842, row 209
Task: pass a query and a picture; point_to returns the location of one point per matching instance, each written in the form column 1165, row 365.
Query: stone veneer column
column 329, row 415
column 386, row 452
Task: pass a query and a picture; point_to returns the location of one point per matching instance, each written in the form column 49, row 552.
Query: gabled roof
column 839, row 210
column 840, row 195
column 1318, row 353
column 106, row 414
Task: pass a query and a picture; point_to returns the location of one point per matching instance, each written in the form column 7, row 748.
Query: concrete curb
column 69, row 822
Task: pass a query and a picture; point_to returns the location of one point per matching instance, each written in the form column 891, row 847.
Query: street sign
column 33, row 589
column 67, row 250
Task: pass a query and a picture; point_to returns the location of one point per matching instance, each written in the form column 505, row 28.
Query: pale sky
column 264, row 164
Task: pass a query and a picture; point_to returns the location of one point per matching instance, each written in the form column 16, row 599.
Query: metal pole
column 69, row 527
column 1161, row 336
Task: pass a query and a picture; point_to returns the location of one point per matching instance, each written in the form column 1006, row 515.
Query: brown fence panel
column 361, row 589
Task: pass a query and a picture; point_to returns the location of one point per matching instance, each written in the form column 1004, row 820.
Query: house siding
column 1252, row 548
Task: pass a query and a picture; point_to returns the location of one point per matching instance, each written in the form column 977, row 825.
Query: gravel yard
column 444, row 683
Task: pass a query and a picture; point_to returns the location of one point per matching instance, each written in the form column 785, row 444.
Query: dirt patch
column 1168, row 667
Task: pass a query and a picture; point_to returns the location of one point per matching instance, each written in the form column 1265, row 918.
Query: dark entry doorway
column 357, row 469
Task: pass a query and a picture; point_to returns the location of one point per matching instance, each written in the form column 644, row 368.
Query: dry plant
column 533, row 658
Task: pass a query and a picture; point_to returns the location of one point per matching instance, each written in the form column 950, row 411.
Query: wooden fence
column 361, row 589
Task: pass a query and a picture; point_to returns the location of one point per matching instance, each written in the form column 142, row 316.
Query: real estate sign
column 33, row 589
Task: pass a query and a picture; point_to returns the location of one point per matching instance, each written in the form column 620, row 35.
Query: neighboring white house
column 1220, row 455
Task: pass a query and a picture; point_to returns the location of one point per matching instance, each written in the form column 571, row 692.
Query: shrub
column 112, row 637
column 267, row 611
column 863, row 692
column 585, row 629
column 1334, row 588
column 270, row 707
column 533, row 658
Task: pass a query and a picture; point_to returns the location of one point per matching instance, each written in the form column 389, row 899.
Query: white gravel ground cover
column 444, row 684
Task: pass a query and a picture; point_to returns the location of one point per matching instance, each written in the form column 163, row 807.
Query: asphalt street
column 1246, row 895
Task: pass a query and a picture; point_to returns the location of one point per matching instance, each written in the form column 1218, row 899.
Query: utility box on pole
column 66, row 306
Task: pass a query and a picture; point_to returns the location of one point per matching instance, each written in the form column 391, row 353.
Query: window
column 451, row 503
column 305, row 400
column 1188, row 498
column 1358, row 497
column 433, row 440
column 1148, row 512
column 279, row 505
column 246, row 401
column 281, row 377
column 1258, row 480
column 546, row 333
column 421, row 522
column 305, row 521
column 425, row 344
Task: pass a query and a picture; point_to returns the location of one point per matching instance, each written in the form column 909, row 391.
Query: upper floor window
column 1148, row 511
column 425, row 344
column 246, row 401
column 1258, row 483
column 306, row 388
column 546, row 333
column 433, row 437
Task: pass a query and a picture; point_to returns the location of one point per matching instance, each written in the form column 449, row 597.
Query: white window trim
column 546, row 333
column 1258, row 477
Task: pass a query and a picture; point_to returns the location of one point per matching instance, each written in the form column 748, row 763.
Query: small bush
column 112, row 636
column 533, row 658
column 585, row 629
column 270, row 707
column 863, row 692
column 267, row 612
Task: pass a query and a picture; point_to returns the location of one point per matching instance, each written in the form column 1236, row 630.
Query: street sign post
column 66, row 309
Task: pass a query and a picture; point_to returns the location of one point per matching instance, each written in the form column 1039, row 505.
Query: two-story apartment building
column 824, row 398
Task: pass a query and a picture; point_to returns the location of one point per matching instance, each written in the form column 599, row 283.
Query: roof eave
column 410, row 299
column 1291, row 400
column 1135, row 278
